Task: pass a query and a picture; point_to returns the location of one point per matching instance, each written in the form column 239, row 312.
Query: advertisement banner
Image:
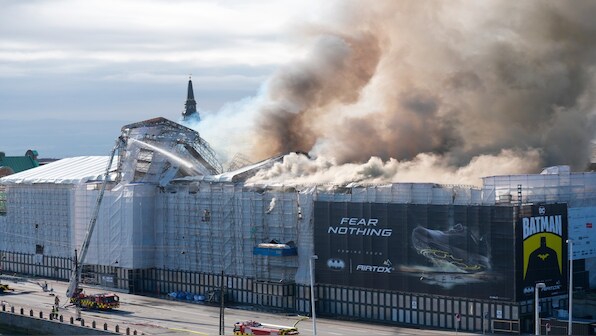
column 465, row 251
column 542, row 251
column 582, row 232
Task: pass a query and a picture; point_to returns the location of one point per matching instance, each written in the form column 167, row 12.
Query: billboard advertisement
column 465, row 251
column 582, row 231
column 541, row 249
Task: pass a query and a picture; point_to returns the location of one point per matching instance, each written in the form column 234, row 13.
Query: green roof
column 18, row 163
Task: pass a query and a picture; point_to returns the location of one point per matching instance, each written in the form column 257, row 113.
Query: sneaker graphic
column 456, row 248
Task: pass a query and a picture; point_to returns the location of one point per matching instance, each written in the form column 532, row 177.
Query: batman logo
column 336, row 264
column 543, row 256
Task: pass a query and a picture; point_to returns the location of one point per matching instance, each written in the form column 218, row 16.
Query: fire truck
column 103, row 301
column 245, row 328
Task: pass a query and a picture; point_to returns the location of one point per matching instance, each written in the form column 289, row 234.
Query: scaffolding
column 169, row 206
column 208, row 226
column 214, row 227
column 552, row 186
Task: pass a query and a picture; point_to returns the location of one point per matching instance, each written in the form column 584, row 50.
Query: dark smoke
column 302, row 95
column 457, row 80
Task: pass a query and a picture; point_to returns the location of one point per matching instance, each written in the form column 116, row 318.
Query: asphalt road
column 156, row 316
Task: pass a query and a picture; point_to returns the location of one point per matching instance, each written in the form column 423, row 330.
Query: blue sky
column 73, row 72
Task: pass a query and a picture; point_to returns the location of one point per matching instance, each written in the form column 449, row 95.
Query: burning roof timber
column 157, row 150
column 237, row 175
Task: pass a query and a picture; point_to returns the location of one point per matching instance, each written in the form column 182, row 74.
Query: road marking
column 190, row 331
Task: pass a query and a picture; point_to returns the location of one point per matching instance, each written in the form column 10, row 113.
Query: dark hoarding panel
column 541, row 233
column 465, row 251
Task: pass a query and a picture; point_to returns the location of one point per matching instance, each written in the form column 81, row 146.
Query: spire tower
column 190, row 107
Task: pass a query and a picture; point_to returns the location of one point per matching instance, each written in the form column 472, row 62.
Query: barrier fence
column 84, row 327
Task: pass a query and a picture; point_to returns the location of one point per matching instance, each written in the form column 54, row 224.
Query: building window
column 38, row 249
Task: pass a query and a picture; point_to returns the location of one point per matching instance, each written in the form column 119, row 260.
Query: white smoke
column 231, row 129
column 299, row 170
column 271, row 206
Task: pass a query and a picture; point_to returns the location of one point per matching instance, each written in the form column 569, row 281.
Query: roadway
column 161, row 316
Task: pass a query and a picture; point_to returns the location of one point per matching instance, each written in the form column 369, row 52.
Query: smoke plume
column 297, row 169
column 442, row 85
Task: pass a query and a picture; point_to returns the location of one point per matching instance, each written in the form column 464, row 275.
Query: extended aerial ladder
column 74, row 292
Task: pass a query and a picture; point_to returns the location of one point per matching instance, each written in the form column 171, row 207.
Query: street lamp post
column 570, row 322
column 536, row 306
column 312, row 295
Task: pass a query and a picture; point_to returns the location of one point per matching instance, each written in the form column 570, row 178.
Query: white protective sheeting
column 74, row 170
column 124, row 233
column 414, row 193
column 38, row 219
column 576, row 189
column 215, row 226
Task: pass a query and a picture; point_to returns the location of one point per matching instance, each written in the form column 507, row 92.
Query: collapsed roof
column 157, row 150
column 154, row 151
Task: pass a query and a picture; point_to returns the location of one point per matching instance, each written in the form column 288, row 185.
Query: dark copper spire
column 190, row 110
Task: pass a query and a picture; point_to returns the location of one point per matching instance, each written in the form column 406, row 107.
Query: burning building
column 171, row 220
column 443, row 90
